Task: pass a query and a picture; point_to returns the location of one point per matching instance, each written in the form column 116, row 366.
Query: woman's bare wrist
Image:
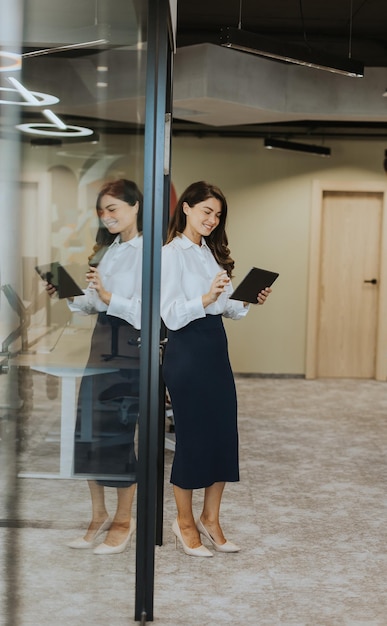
column 208, row 299
column 106, row 297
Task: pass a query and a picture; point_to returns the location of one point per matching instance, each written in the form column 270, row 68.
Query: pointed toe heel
column 199, row 551
column 81, row 544
column 228, row 546
column 104, row 548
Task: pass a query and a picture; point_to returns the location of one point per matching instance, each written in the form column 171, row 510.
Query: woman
column 114, row 293
column 196, row 285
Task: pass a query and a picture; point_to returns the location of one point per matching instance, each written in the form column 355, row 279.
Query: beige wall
column 269, row 194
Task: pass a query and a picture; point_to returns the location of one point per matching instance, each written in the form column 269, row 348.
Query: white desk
column 71, row 349
column 68, row 377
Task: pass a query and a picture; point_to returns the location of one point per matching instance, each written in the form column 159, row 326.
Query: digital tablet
column 254, row 281
column 58, row 276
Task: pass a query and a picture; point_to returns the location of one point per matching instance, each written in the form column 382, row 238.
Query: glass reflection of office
column 94, row 65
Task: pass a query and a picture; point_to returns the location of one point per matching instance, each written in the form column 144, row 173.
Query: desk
column 64, row 354
column 68, row 377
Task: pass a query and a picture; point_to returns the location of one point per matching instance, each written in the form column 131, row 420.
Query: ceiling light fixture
column 72, row 46
column 31, row 98
column 252, row 43
column 49, row 130
column 280, row 144
column 13, row 60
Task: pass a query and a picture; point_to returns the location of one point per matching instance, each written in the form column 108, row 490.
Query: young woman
column 196, row 285
column 114, row 294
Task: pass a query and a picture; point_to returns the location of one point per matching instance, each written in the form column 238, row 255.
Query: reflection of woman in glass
column 108, row 401
column 195, row 292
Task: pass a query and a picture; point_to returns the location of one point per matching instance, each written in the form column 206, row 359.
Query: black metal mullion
column 154, row 182
column 163, row 332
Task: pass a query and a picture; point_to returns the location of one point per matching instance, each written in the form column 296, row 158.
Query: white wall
column 269, row 194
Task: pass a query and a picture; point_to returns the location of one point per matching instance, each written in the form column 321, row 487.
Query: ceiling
column 326, row 24
column 356, row 28
column 218, row 91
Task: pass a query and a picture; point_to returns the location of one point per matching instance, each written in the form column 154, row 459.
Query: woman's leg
column 98, row 508
column 185, row 518
column 211, row 509
column 121, row 523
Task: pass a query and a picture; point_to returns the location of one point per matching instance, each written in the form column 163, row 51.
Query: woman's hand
column 263, row 295
column 51, row 290
column 217, row 287
column 94, row 278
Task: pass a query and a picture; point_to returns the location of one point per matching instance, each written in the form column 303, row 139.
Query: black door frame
column 156, row 191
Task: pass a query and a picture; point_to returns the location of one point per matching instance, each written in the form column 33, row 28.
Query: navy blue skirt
column 108, row 405
column 199, row 379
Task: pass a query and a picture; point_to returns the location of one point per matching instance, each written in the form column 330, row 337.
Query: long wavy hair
column 121, row 189
column 217, row 240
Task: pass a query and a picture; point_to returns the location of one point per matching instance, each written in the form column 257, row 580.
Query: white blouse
column 121, row 274
column 187, row 272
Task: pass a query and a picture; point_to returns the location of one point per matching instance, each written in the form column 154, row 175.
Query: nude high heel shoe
column 81, row 544
column 220, row 547
column 104, row 548
column 199, row 551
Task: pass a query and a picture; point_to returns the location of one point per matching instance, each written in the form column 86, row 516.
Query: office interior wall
column 72, row 175
column 269, row 195
column 65, row 180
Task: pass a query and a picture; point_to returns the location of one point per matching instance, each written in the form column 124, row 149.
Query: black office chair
column 124, row 398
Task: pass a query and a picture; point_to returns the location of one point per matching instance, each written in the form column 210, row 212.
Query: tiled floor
column 309, row 512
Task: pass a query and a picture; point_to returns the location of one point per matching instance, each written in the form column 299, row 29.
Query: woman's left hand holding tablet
column 51, row 290
column 263, row 295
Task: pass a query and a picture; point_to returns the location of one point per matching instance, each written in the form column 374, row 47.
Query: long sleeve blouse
column 121, row 274
column 187, row 274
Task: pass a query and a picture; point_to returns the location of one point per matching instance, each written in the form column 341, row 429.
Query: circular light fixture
column 39, row 129
column 43, row 99
column 15, row 64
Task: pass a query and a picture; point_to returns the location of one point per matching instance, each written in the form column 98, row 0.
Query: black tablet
column 58, row 276
column 254, row 281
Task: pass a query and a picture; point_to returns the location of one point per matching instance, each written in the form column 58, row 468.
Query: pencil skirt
column 200, row 382
column 108, row 406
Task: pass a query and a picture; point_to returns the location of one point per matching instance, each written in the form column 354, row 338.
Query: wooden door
column 349, row 284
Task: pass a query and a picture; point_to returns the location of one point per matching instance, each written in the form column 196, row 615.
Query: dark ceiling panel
column 324, row 23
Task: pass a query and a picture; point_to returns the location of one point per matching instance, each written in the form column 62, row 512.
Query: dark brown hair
column 121, row 189
column 217, row 240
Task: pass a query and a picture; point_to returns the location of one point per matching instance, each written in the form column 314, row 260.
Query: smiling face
column 202, row 218
column 119, row 217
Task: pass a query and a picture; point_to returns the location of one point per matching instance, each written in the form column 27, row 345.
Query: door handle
column 373, row 281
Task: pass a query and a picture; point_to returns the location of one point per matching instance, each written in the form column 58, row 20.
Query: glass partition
column 72, row 111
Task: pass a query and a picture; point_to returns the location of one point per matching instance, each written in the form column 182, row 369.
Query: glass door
column 73, row 143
